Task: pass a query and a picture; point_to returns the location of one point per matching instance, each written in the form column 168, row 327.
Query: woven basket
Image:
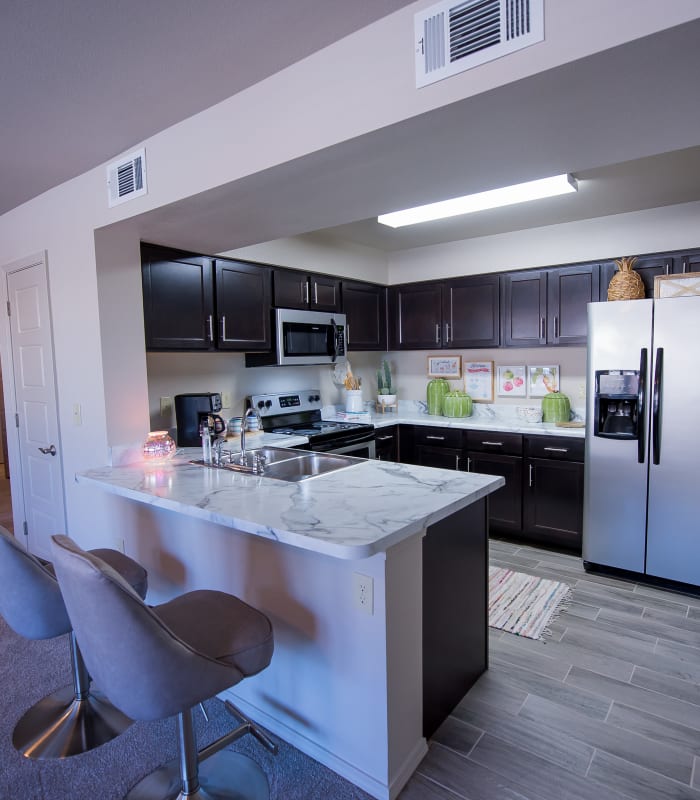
column 626, row 283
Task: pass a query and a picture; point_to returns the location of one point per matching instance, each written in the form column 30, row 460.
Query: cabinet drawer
column 495, row 442
column 439, row 437
column 562, row 447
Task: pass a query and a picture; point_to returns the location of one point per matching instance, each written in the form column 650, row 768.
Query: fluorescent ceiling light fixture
column 494, row 198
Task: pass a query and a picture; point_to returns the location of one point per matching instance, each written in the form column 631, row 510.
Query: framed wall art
column 542, row 380
column 449, row 367
column 511, row 381
column 478, row 380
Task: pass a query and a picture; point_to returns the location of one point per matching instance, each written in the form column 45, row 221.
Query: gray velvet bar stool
column 161, row 661
column 74, row 718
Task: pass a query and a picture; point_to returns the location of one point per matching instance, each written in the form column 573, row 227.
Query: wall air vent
column 126, row 178
column 453, row 37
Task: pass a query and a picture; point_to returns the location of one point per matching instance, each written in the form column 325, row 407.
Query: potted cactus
column 386, row 393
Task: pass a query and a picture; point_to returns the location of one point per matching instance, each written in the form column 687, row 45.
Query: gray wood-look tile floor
column 608, row 708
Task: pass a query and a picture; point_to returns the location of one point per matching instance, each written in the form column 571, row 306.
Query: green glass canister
column 556, row 407
column 457, row 404
column 437, row 389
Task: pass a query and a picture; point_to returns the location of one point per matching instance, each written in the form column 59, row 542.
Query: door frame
column 8, row 382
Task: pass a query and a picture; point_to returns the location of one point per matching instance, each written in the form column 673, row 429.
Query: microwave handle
column 334, row 354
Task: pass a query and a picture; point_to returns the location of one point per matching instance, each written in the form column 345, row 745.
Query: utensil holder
column 353, row 400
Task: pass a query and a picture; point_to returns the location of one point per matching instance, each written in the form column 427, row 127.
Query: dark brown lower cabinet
column 506, row 503
column 455, row 611
column 553, row 496
column 386, row 442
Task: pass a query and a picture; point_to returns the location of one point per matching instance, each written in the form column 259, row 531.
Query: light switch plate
column 226, row 399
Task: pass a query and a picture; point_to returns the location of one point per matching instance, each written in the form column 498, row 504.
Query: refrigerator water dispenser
column 616, row 406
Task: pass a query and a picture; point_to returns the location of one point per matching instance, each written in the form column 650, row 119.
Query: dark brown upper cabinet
column 689, row 262
column 569, row 290
column 294, row 289
column 178, row 299
column 243, row 296
column 364, row 305
column 194, row 302
column 457, row 313
column 548, row 307
column 524, row 309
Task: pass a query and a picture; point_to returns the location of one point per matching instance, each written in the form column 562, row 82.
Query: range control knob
column 268, row 404
column 314, row 398
column 261, row 404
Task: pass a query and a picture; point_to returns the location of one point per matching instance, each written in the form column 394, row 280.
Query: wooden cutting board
column 570, row 424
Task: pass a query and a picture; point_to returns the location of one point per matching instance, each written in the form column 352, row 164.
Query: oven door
column 360, row 448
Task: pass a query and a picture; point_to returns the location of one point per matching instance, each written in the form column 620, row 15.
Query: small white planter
column 386, row 399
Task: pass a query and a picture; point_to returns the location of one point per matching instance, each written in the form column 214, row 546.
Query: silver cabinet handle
column 530, row 476
column 437, row 333
column 447, row 333
column 437, row 438
column 556, row 327
column 210, row 322
column 457, row 462
column 315, row 293
column 685, row 266
column 493, row 444
column 469, row 465
column 48, row 451
column 556, row 449
column 306, row 288
column 223, row 328
column 668, row 267
column 543, row 329
column 383, row 438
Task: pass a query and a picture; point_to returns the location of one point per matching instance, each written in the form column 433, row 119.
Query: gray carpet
column 29, row 670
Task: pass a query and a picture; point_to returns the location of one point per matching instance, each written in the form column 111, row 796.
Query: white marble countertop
column 476, row 422
column 351, row 513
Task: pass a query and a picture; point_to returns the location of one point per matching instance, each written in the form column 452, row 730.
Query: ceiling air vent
column 126, row 178
column 454, row 37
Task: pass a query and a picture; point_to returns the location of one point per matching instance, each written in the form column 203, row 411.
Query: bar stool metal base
column 61, row 725
column 223, row 776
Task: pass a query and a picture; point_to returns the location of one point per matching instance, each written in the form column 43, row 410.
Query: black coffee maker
column 190, row 411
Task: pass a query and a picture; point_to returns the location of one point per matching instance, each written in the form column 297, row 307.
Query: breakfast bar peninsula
column 375, row 579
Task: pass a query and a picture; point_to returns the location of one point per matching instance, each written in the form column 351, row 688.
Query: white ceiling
column 626, row 122
column 72, row 87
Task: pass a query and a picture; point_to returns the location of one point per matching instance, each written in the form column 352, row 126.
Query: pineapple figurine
column 626, row 283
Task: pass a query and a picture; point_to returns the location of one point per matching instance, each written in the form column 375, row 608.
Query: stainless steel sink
column 283, row 464
column 308, row 466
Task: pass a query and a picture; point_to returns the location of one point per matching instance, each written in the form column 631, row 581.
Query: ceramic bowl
column 529, row 413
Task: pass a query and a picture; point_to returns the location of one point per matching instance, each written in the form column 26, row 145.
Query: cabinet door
column 471, row 312
column 569, row 290
column 505, row 504
column 178, row 299
column 324, row 293
column 291, row 289
column 689, row 262
column 554, row 502
column 243, row 295
column 524, row 308
column 648, row 268
column 364, row 305
column 415, row 314
column 437, row 456
column 386, row 444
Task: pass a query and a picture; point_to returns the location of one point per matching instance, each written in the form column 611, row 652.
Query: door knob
column 51, row 451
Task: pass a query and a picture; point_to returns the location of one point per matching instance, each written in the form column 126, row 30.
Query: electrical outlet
column 77, row 414
column 166, row 406
column 226, row 399
column 582, row 391
column 363, row 592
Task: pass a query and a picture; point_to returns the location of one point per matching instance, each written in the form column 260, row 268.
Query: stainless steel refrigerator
column 642, row 471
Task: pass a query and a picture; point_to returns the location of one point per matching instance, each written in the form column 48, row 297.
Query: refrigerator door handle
column 641, row 406
column 656, row 407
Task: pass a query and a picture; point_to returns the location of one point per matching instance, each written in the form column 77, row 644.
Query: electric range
column 299, row 413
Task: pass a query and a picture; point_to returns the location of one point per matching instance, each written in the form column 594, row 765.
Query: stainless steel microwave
column 302, row 338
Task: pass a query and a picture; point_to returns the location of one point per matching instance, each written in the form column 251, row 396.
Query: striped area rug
column 524, row 604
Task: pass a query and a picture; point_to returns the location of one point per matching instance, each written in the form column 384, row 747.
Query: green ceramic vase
column 457, row 404
column 556, row 407
column 437, row 389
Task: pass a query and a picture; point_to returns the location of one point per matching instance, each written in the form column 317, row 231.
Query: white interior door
column 36, row 408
